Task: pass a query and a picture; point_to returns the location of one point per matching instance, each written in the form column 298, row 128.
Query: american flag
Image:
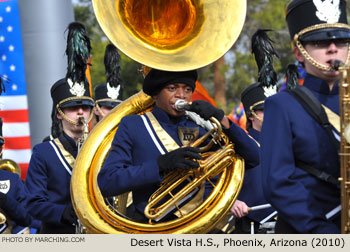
column 13, row 103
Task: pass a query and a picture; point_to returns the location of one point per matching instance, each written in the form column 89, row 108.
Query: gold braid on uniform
column 70, row 99
column 307, row 55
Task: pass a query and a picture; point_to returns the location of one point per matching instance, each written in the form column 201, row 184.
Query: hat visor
column 259, row 107
column 76, row 103
column 109, row 104
column 326, row 34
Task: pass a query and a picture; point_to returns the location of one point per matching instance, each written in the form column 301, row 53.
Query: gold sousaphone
column 169, row 35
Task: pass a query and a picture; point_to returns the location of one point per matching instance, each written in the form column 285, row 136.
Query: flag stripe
column 24, row 169
column 13, row 102
column 11, row 116
column 17, row 143
column 15, row 129
column 19, row 156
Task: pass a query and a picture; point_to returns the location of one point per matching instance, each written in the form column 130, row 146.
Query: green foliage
column 129, row 69
column 268, row 14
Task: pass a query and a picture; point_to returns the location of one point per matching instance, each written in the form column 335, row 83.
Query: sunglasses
column 340, row 43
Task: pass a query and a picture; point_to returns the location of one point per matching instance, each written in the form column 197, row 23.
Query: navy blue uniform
column 251, row 192
column 289, row 134
column 48, row 181
column 12, row 186
column 132, row 161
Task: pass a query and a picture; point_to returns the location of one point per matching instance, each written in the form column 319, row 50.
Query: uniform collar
column 162, row 116
column 320, row 86
column 69, row 144
column 254, row 133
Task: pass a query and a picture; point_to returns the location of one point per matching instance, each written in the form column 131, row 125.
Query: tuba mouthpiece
column 181, row 105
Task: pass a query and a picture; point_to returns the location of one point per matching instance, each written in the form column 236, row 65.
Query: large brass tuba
column 169, row 35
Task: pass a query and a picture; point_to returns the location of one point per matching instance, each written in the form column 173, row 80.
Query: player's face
column 73, row 113
column 104, row 109
column 167, row 97
column 325, row 53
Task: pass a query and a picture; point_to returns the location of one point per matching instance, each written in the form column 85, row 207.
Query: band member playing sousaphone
column 147, row 147
column 50, row 167
column 299, row 138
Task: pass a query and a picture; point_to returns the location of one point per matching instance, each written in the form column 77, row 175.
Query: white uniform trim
column 3, row 227
column 22, row 230
column 336, row 135
column 150, row 132
column 60, row 157
column 333, row 212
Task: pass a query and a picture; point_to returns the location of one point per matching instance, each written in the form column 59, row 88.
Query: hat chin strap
column 97, row 105
column 99, row 109
column 70, row 120
column 314, row 62
column 256, row 116
column 251, row 108
column 308, row 56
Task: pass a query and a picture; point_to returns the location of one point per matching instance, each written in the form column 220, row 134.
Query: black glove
column 3, row 199
column 179, row 158
column 69, row 216
column 206, row 110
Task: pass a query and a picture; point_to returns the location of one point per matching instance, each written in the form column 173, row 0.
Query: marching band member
column 140, row 155
column 299, row 160
column 16, row 219
column 12, row 201
column 50, row 167
column 253, row 98
column 12, row 198
column 251, row 194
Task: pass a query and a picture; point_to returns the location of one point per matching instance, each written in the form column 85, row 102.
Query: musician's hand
column 206, row 110
column 239, row 209
column 69, row 216
column 3, row 199
column 179, row 158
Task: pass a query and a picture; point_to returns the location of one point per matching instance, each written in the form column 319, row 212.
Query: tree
column 220, row 82
column 267, row 14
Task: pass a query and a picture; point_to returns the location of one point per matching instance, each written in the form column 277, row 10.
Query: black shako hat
column 106, row 95
column 253, row 97
column 156, row 79
column 301, row 14
column 68, row 94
